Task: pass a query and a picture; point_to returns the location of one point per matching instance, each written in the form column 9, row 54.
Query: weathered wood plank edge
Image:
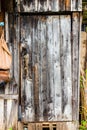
column 9, row 97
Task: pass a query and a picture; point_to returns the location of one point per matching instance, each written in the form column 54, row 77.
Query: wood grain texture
column 57, row 68
column 12, row 114
column 47, row 43
column 49, row 67
column 65, row 64
column 75, row 63
column 50, row 5
column 50, row 73
column 8, row 114
column 27, row 74
column 2, row 119
column 12, row 38
column 76, row 5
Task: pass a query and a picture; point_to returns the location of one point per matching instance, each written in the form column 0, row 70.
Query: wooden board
column 50, row 5
column 46, row 68
column 8, row 114
column 75, row 64
column 12, row 39
column 50, row 126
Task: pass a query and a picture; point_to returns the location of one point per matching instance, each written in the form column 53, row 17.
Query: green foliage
column 83, row 125
column 82, row 79
column 81, row 82
column 10, row 128
column 86, row 72
column 84, row 8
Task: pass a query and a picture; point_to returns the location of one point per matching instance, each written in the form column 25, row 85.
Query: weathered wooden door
column 46, row 73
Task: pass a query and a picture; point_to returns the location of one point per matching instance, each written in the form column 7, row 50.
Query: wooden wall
column 41, row 5
column 45, row 64
column 9, row 92
column 49, row 5
column 45, row 67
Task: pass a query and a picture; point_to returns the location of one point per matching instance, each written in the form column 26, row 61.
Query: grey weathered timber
column 49, row 5
column 8, row 114
column 46, row 68
column 12, row 33
column 2, row 125
column 65, row 64
column 75, row 64
column 46, row 52
column 27, row 75
column 76, row 5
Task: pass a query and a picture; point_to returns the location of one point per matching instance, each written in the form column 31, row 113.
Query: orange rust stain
column 67, row 4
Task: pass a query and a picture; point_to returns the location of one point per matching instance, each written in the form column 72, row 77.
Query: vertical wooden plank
column 75, row 63
column 23, row 53
column 67, row 5
column 12, row 114
column 28, row 6
column 2, row 119
column 42, row 5
column 53, row 5
column 36, row 67
column 50, row 72
column 79, row 5
column 29, row 107
column 65, row 62
column 16, row 41
column 41, row 105
column 6, row 27
column 12, row 87
column 75, row 4
column 57, row 69
column 62, row 5
column 18, row 5
column 43, row 70
column 27, row 95
column 28, row 87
